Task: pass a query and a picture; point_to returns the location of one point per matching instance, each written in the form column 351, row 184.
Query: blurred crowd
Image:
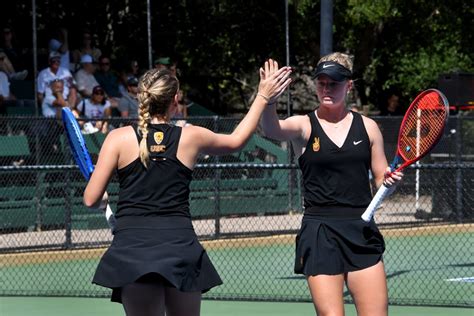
column 84, row 79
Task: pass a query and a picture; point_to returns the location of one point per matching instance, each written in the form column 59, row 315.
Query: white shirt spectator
column 46, row 76
column 93, row 111
column 4, row 85
column 54, row 46
column 47, row 108
column 85, row 81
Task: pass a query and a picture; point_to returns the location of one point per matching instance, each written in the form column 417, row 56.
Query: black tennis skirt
column 169, row 252
column 334, row 240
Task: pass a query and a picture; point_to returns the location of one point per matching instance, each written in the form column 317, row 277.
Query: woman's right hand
column 273, row 81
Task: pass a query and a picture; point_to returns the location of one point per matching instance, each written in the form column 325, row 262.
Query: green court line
column 417, row 268
column 60, row 306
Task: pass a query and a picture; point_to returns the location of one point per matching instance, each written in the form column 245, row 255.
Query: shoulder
column 121, row 134
column 43, row 73
column 65, row 72
column 194, row 130
column 371, row 127
column 368, row 122
column 80, row 73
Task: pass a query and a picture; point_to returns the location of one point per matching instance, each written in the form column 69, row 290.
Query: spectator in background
column 131, row 69
column 128, row 104
column 6, row 97
column 8, row 45
column 108, row 80
column 392, row 107
column 59, row 44
column 53, row 72
column 354, row 107
column 96, row 108
column 181, row 111
column 86, row 48
column 53, row 103
column 165, row 63
column 7, row 67
column 85, row 80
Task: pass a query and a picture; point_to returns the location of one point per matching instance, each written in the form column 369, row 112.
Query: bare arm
column 289, row 129
column 273, row 127
column 379, row 166
column 273, row 82
column 197, row 140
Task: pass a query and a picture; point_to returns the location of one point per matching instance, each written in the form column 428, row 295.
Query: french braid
column 156, row 90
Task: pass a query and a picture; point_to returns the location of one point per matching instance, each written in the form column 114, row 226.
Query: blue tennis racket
column 81, row 154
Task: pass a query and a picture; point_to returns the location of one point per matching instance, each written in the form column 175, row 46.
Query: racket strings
column 423, row 126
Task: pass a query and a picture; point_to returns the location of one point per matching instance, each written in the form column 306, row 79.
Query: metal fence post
column 459, row 177
column 68, row 211
column 217, row 197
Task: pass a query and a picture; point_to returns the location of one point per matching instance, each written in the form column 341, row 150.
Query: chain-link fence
column 246, row 207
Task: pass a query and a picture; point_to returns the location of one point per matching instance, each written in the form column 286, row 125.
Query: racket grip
column 109, row 215
column 381, row 194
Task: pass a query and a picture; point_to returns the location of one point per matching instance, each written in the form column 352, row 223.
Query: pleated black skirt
column 169, row 252
column 336, row 240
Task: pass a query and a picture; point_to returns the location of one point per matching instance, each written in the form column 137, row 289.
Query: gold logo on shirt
column 316, row 145
column 158, row 136
column 157, row 148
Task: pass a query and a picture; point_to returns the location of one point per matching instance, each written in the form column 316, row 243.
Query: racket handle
column 381, row 194
column 109, row 215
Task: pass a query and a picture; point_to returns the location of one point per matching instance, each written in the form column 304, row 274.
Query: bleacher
column 49, row 198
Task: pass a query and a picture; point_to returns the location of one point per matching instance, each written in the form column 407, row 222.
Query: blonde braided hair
column 156, row 91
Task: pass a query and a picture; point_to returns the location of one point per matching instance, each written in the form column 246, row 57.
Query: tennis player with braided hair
column 336, row 149
column 155, row 264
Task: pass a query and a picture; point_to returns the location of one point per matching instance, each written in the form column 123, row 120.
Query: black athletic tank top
column 163, row 188
column 334, row 176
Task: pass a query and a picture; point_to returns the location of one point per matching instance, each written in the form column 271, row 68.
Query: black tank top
column 334, row 176
column 163, row 188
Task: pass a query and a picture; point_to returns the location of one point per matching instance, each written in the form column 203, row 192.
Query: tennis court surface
column 60, row 306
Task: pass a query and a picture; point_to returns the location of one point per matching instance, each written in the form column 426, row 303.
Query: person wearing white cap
column 85, row 76
column 59, row 44
column 52, row 73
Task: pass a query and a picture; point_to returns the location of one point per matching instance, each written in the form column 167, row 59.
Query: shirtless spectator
column 50, row 74
column 85, row 80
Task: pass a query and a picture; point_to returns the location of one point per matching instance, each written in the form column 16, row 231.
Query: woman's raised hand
column 273, row 81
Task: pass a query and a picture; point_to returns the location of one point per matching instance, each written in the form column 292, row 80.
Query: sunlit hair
column 340, row 58
column 156, row 92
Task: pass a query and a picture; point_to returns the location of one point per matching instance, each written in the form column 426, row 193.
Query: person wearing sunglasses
column 96, row 108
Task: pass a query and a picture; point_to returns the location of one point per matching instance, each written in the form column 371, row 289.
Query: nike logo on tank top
column 336, row 176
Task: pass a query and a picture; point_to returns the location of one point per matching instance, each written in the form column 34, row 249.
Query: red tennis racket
column 422, row 127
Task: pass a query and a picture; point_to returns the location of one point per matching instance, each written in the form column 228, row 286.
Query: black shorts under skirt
column 336, row 241
column 171, row 254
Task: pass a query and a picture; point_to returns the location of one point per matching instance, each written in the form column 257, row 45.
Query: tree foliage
column 401, row 45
